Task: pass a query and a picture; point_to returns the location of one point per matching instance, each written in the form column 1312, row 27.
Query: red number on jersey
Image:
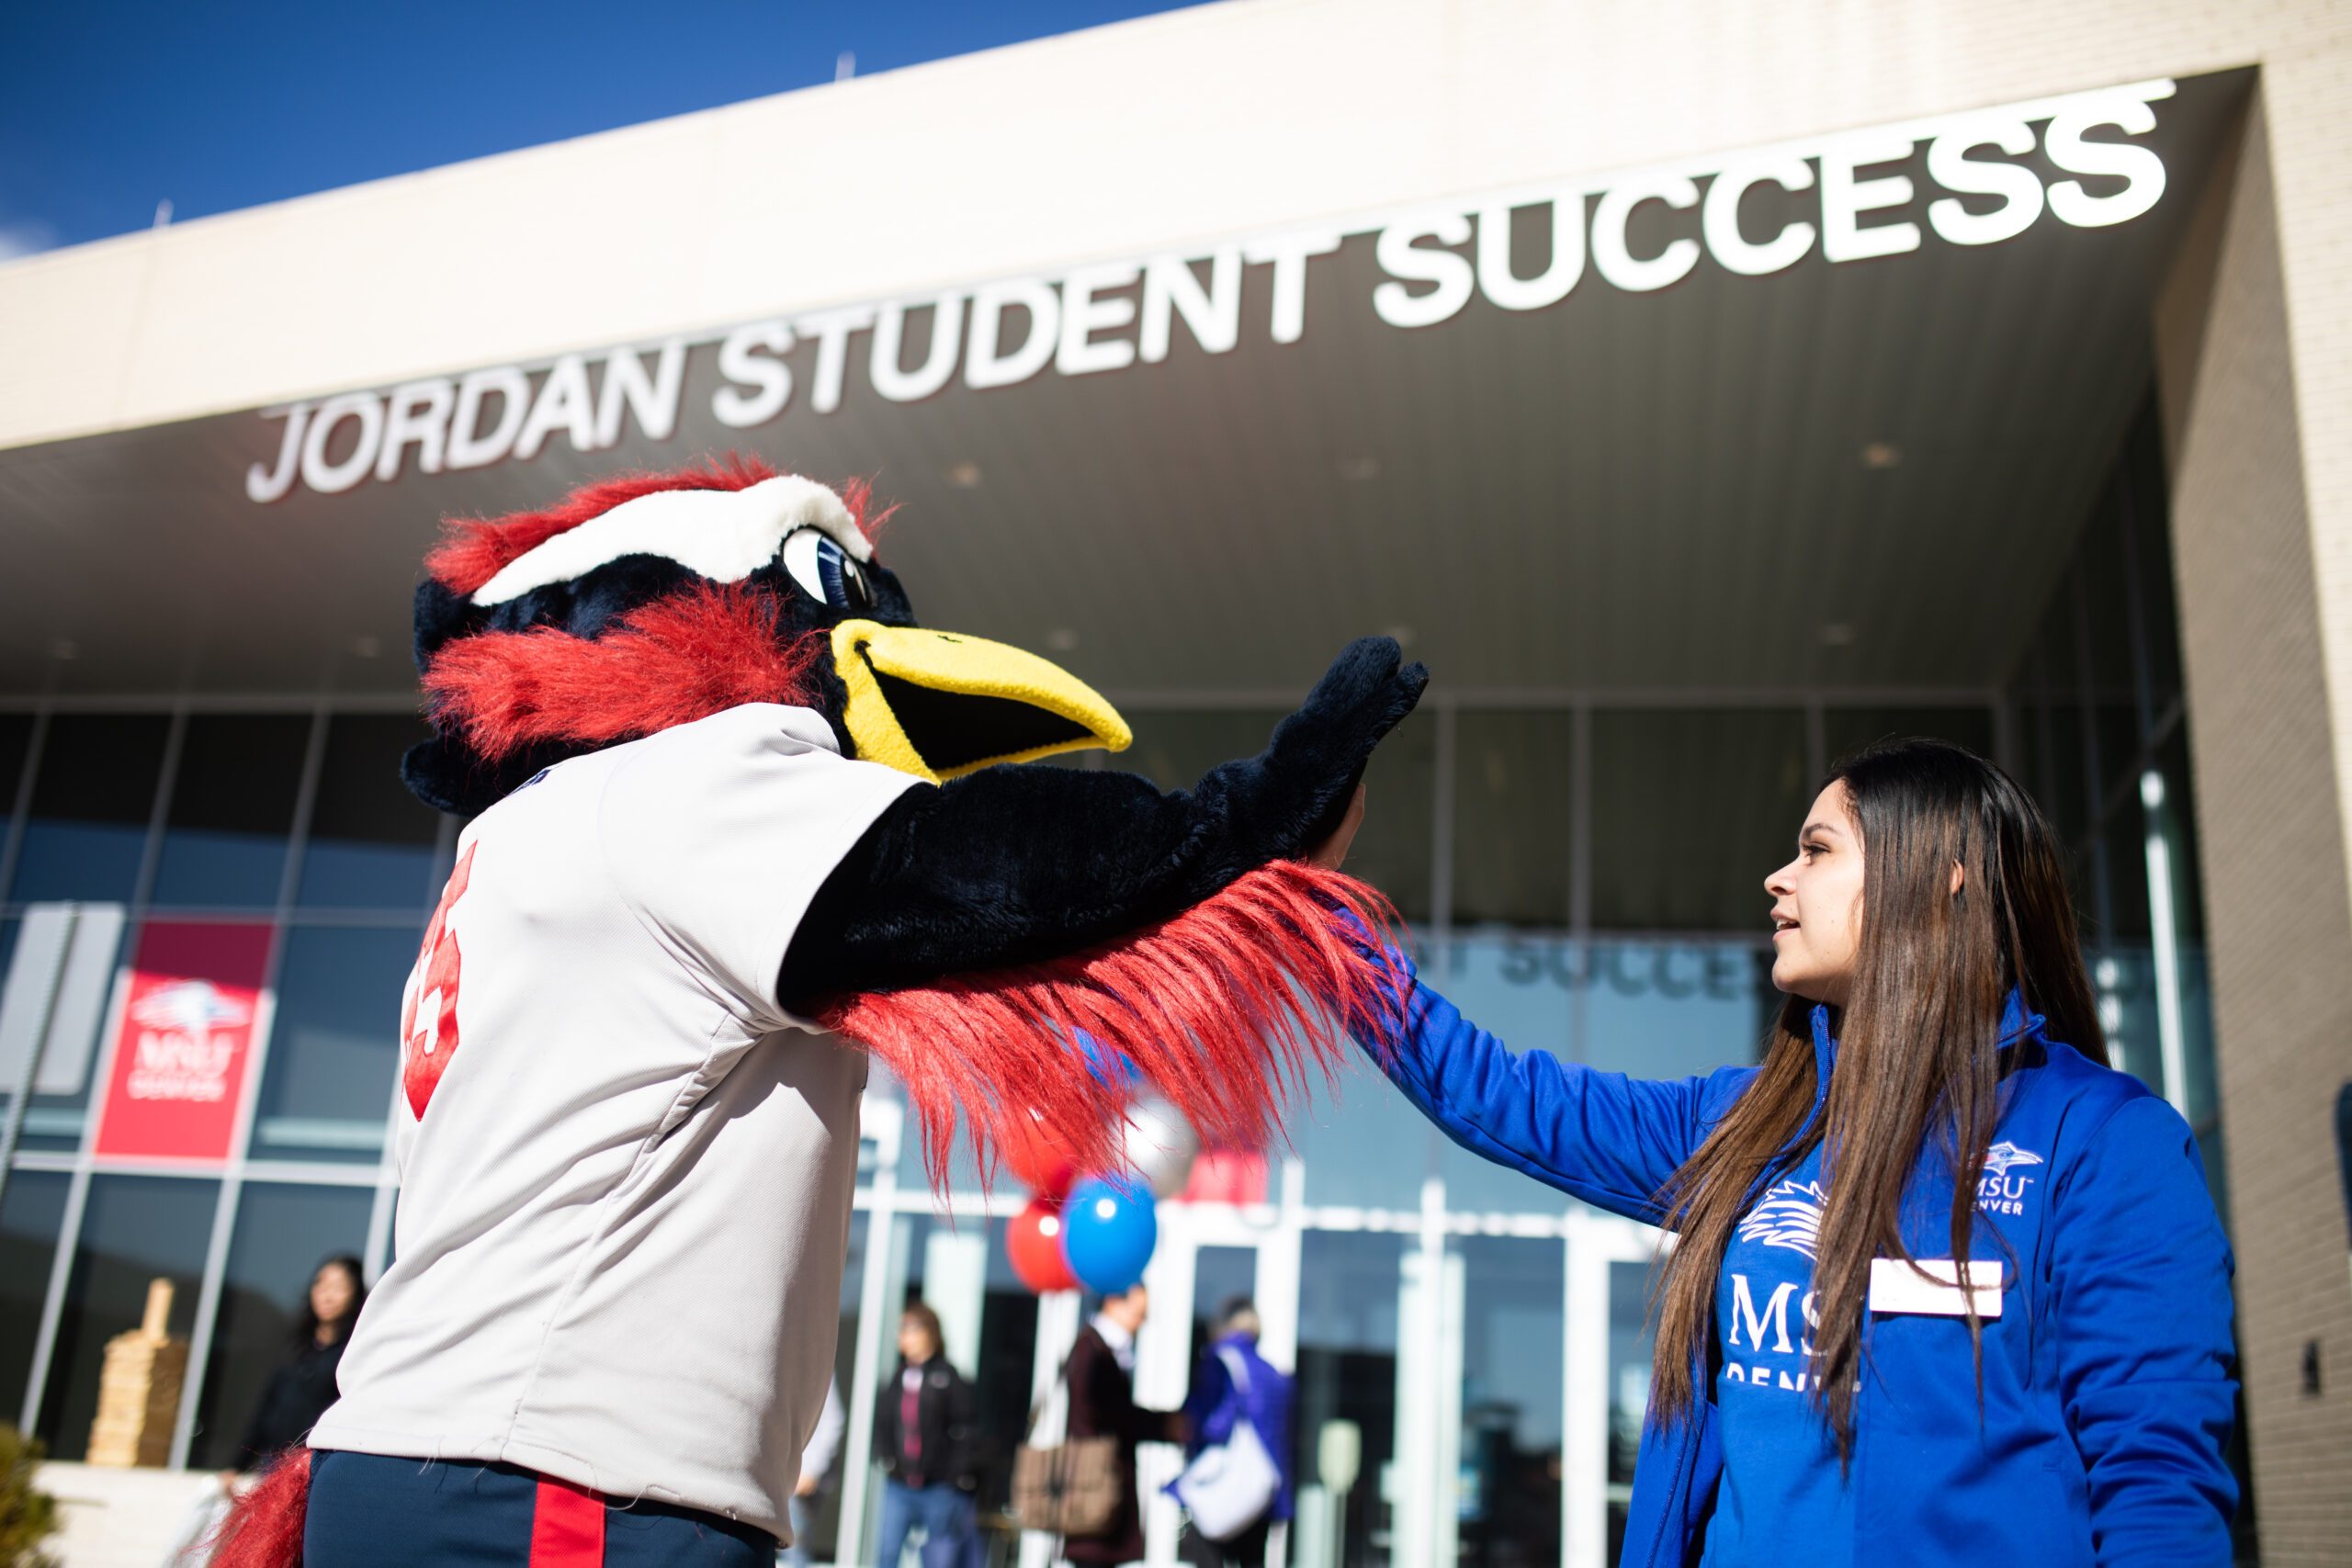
column 429, row 1021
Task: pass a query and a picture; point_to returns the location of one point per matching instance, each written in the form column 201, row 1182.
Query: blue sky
column 108, row 107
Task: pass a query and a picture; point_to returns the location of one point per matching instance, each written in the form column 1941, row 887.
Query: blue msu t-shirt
column 1781, row 1497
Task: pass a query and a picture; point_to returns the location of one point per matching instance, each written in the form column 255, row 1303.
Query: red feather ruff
column 264, row 1529
column 474, row 549
column 1223, row 1007
column 666, row 663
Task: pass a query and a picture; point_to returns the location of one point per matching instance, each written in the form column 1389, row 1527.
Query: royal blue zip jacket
column 2107, row 1388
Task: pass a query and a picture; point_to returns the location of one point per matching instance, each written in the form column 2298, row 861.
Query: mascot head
column 654, row 600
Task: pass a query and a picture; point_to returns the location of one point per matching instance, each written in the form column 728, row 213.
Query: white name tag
column 1898, row 1286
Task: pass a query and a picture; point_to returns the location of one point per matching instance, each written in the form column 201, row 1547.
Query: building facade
column 1701, row 400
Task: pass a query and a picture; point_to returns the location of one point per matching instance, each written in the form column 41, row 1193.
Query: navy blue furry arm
column 1018, row 865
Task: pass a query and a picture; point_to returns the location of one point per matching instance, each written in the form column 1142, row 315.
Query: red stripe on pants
column 567, row 1527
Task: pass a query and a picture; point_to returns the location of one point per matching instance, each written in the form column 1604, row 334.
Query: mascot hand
column 1319, row 754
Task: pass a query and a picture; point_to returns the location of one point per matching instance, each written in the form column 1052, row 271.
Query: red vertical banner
column 186, row 1035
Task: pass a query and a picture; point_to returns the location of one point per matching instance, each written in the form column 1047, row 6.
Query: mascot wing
column 981, row 926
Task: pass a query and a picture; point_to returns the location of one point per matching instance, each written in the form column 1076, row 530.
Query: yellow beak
column 939, row 706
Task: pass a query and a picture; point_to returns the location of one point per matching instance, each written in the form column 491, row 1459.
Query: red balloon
column 1034, row 1240
column 1037, row 1159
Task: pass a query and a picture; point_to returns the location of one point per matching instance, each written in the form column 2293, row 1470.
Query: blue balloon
column 1108, row 1233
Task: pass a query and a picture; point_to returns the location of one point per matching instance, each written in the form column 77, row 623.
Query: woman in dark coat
column 926, row 1439
column 1103, row 1403
column 303, row 1387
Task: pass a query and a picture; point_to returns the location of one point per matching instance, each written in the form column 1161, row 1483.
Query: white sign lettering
column 1434, row 262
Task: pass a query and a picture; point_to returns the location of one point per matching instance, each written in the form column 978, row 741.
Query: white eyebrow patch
column 723, row 534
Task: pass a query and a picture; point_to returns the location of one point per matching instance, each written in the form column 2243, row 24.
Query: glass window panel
column 1392, row 851
column 371, row 842
column 2040, row 742
column 1363, row 1144
column 964, row 1174
column 961, row 1267
column 1507, row 1491
column 283, row 1232
column 2148, row 516
column 233, row 804
column 2179, row 828
column 1001, row 1384
column 1691, row 809
column 135, row 1229
column 1511, row 828
column 2200, row 1086
column 30, row 1214
column 2064, row 788
column 1847, row 731
column 1220, row 1275
column 2123, row 979
column 825, row 1522
column 335, row 1046
column 2067, row 802
column 1174, row 749
column 2106, row 610
column 2127, row 876
column 91, row 805
column 1629, row 1387
column 1349, row 1293
column 2119, row 759
column 54, row 1122
column 15, row 742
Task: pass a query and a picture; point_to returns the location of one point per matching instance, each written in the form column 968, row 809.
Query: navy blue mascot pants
column 371, row 1511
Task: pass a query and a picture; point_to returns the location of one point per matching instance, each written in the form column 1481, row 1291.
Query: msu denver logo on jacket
column 1757, row 1295
column 1790, row 1214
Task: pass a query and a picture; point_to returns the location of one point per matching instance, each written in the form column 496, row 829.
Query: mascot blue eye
column 824, row 571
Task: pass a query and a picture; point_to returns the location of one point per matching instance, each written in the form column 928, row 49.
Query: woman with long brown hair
column 1945, row 1288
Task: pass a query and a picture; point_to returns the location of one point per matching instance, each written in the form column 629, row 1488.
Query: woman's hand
column 1332, row 852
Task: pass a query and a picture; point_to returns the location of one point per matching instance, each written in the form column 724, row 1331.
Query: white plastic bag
column 1229, row 1487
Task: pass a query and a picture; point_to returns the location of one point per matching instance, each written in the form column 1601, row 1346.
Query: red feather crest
column 666, row 663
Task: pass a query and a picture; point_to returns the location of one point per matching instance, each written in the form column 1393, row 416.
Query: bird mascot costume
column 737, row 825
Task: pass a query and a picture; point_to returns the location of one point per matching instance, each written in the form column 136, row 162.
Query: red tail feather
column 1224, row 1008
column 263, row 1529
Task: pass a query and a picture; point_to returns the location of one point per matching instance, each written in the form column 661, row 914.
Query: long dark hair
column 306, row 1321
column 1916, row 1068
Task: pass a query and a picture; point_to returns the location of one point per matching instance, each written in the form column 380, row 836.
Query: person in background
column 298, row 1393
column 1102, row 1403
column 1216, row 1402
column 303, row 1387
column 815, row 1466
column 924, row 1432
column 1994, row 1319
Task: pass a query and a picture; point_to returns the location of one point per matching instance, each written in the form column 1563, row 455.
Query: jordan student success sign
column 1988, row 176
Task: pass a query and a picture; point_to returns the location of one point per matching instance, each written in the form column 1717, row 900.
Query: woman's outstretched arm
column 1610, row 1140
